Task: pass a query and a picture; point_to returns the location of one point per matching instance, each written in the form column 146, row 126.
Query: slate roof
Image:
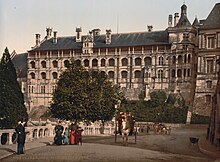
column 20, row 64
column 213, row 19
column 117, row 40
column 183, row 22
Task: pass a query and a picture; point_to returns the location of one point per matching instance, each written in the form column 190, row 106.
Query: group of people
column 72, row 135
column 129, row 118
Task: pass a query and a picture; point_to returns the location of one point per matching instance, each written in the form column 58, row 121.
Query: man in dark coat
column 59, row 131
column 21, row 136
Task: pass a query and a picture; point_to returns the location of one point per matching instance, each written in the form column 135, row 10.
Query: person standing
column 59, row 131
column 21, row 136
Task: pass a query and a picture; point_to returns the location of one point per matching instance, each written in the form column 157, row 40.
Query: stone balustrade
column 8, row 136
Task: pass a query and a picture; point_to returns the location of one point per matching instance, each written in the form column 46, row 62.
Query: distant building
column 179, row 59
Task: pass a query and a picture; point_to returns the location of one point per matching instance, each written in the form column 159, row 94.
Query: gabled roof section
column 117, row 40
column 196, row 22
column 20, row 64
column 213, row 20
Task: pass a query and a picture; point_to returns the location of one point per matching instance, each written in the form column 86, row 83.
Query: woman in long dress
column 73, row 131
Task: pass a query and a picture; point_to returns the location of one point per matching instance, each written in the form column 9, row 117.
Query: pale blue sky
column 20, row 20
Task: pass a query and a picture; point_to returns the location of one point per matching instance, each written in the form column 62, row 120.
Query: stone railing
column 8, row 136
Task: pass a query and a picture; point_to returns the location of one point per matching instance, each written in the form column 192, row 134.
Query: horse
column 125, row 129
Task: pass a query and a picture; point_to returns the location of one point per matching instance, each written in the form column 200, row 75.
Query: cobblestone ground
column 149, row 148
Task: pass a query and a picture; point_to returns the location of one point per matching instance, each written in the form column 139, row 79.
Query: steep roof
column 20, row 64
column 183, row 22
column 117, row 40
column 213, row 19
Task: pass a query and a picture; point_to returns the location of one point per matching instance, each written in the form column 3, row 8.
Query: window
column 179, row 73
column 78, row 63
column 160, row 60
column 111, row 62
column 66, row 63
column 208, row 99
column 174, row 60
column 103, row 74
column 53, row 88
column 124, row 74
column 184, row 73
column 32, row 75
column 124, row 62
column 42, row 89
column 180, row 59
column 86, row 63
column 55, row 64
column 43, row 75
column 103, row 62
column 189, row 58
column 211, row 42
column 43, row 64
column 32, row 64
column 173, row 73
column 94, row 63
column 147, row 61
column 31, row 89
column 54, row 75
column 209, row 84
column 209, row 66
column 160, row 75
column 137, row 61
column 111, row 74
column 137, row 74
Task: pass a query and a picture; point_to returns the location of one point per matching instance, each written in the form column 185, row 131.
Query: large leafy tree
column 12, row 108
column 84, row 95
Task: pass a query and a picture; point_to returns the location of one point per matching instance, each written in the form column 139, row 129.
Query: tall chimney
column 49, row 32
column 108, row 36
column 176, row 18
column 37, row 39
column 170, row 20
column 78, row 34
column 54, row 37
column 183, row 10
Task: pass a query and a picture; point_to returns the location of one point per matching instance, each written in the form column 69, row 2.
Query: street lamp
column 116, row 113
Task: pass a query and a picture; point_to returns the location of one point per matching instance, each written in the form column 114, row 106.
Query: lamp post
column 116, row 113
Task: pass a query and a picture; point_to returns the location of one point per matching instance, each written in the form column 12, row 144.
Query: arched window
column 173, row 73
column 124, row 62
column 148, row 61
column 94, row 63
column 184, row 73
column 43, row 64
column 66, row 63
column 124, row 74
column 78, row 62
column 111, row 74
column 32, row 75
column 103, row 74
column 137, row 61
column 160, row 75
column 55, row 64
column 179, row 73
column 160, row 60
column 188, row 73
column 86, row 63
column 189, row 58
column 43, row 75
column 137, row 74
column 185, row 59
column 174, row 60
column 32, row 64
column 102, row 62
column 54, row 74
column 180, row 59
column 111, row 62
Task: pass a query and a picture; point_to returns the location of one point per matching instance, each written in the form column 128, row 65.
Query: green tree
column 83, row 95
column 12, row 108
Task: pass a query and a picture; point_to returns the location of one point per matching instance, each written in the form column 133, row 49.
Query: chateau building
column 180, row 59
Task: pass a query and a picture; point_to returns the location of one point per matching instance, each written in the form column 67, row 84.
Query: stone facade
column 178, row 59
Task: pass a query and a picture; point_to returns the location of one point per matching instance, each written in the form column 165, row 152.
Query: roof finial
column 183, row 1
